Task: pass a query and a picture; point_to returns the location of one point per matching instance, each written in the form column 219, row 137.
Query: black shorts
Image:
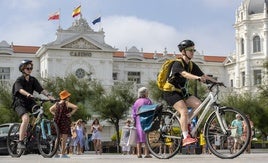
column 22, row 110
column 172, row 97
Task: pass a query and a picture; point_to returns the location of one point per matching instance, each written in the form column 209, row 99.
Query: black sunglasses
column 29, row 68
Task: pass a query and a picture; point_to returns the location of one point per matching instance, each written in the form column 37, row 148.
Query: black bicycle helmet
column 24, row 62
column 185, row 44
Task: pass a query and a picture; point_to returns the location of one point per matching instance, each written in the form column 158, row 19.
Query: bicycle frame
column 217, row 132
column 44, row 130
column 41, row 122
column 206, row 105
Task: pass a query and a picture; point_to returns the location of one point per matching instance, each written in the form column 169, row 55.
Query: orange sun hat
column 64, row 94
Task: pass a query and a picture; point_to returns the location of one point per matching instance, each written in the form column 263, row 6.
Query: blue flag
column 96, row 20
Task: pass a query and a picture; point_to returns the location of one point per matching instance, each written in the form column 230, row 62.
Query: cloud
column 128, row 31
column 30, row 33
column 26, row 4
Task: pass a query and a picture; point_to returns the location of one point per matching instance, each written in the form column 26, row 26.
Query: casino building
column 82, row 51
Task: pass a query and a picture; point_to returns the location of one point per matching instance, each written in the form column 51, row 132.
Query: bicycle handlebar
column 42, row 100
column 218, row 84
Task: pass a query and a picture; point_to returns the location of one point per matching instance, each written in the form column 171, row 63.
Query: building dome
column 256, row 6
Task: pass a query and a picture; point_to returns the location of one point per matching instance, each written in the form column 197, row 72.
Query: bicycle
column 166, row 141
column 43, row 133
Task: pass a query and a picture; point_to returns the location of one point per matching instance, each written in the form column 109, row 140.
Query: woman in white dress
column 96, row 130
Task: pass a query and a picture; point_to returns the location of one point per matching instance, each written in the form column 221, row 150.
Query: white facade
column 245, row 68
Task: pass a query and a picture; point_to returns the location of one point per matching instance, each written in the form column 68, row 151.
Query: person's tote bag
column 150, row 116
column 132, row 141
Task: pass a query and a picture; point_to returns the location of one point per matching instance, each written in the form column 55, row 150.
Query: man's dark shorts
column 22, row 110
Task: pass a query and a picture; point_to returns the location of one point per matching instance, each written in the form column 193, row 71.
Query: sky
column 149, row 25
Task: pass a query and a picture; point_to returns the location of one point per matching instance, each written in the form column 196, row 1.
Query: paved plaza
column 257, row 156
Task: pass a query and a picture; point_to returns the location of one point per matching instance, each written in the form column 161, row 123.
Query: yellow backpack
column 164, row 73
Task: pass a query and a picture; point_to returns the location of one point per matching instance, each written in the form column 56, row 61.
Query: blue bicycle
column 42, row 132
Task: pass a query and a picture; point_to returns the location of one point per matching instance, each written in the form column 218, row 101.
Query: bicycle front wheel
column 48, row 138
column 232, row 143
column 13, row 140
column 165, row 142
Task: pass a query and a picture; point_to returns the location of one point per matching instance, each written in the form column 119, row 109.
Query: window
column 80, row 73
column 232, row 83
column 134, row 76
column 243, row 78
column 242, row 46
column 257, row 77
column 4, row 73
column 256, row 44
column 115, row 76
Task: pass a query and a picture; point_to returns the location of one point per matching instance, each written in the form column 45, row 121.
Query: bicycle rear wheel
column 222, row 144
column 13, row 140
column 48, row 138
column 165, row 142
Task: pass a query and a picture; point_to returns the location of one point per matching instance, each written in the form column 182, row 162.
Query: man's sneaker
column 21, row 145
column 188, row 141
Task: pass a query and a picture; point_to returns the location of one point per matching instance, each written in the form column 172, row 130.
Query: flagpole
column 100, row 26
column 100, row 23
column 81, row 11
column 59, row 17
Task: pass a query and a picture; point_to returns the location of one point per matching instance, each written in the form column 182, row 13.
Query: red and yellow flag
column 76, row 11
column 54, row 16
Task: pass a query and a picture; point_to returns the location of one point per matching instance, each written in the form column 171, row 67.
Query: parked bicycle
column 42, row 132
column 166, row 141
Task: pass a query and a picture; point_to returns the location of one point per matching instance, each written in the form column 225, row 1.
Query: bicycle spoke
column 48, row 139
column 12, row 141
column 222, row 144
column 165, row 142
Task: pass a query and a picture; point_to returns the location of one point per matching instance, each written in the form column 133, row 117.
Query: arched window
column 242, row 46
column 256, row 44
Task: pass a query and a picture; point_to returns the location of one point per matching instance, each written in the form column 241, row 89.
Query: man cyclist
column 181, row 99
column 22, row 92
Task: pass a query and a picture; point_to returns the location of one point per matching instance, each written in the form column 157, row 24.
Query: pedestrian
column 180, row 98
column 79, row 140
column 245, row 129
column 237, row 127
column 62, row 111
column 73, row 137
column 85, row 140
column 22, row 92
column 143, row 99
column 96, row 129
column 203, row 142
column 125, row 137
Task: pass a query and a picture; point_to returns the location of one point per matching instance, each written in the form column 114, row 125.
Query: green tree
column 6, row 111
column 155, row 93
column 252, row 106
column 264, row 88
column 114, row 105
column 80, row 89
